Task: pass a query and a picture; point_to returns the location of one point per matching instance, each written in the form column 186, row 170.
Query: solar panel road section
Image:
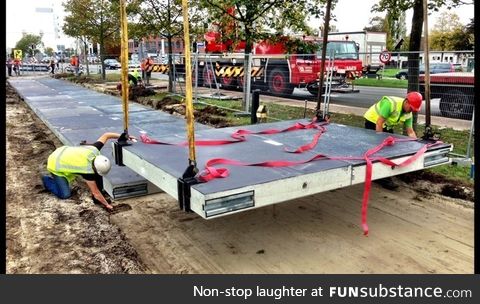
column 249, row 187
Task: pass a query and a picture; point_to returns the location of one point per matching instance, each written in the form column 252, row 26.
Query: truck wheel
column 278, row 82
column 228, row 82
column 456, row 104
column 240, row 82
column 313, row 88
column 208, row 77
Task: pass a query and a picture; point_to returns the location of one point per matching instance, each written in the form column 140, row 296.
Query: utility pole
column 428, row 129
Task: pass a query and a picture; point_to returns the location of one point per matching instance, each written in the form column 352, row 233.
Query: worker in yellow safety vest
column 134, row 77
column 391, row 111
column 68, row 162
column 388, row 112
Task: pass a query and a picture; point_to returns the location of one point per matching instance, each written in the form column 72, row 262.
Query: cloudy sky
column 32, row 16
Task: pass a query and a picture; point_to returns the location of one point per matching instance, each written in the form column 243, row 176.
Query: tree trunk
column 102, row 56
column 248, row 51
column 413, row 58
column 86, row 56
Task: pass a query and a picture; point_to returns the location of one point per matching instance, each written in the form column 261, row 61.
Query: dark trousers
column 9, row 68
column 59, row 185
column 371, row 126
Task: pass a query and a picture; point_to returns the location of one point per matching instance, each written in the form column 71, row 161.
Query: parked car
column 134, row 64
column 93, row 59
column 112, row 64
column 458, row 67
column 435, row 68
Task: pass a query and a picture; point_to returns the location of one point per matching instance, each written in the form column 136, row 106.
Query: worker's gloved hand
column 108, row 207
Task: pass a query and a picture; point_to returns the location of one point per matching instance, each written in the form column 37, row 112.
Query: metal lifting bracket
column 429, row 135
column 183, row 186
column 321, row 118
column 117, row 148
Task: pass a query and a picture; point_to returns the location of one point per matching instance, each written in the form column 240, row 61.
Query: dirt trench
column 46, row 234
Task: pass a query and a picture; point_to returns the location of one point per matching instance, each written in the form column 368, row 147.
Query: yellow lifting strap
column 124, row 62
column 188, row 86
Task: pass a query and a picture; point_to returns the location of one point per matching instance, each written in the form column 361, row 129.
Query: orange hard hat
column 414, row 99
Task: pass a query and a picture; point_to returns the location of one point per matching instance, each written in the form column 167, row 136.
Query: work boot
column 387, row 183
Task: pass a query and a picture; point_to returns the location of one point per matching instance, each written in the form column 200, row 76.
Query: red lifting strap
column 239, row 136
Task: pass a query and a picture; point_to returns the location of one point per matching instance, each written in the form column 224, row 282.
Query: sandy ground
column 412, row 231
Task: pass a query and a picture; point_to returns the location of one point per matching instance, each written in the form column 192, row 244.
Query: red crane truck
column 273, row 69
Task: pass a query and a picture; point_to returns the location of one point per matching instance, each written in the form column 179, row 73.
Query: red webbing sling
column 240, row 136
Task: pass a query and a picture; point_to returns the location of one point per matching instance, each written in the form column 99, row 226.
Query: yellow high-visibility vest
column 70, row 161
column 396, row 115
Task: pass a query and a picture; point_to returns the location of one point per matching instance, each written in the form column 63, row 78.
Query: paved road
column 368, row 95
column 363, row 99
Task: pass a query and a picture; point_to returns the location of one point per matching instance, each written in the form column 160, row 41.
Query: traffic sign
column 17, row 54
column 385, row 56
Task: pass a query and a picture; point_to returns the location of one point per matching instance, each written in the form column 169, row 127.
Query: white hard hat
column 102, row 165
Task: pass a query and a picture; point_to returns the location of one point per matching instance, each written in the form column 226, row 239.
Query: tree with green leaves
column 163, row 18
column 396, row 28
column 394, row 25
column 29, row 43
column 253, row 20
column 94, row 20
column 376, row 24
column 397, row 6
column 450, row 34
column 49, row 51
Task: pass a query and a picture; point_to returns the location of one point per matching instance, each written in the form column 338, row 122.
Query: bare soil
column 45, row 234
column 417, row 229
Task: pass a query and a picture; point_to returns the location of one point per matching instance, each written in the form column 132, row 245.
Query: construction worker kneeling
column 68, row 162
column 388, row 112
column 134, row 78
column 135, row 84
